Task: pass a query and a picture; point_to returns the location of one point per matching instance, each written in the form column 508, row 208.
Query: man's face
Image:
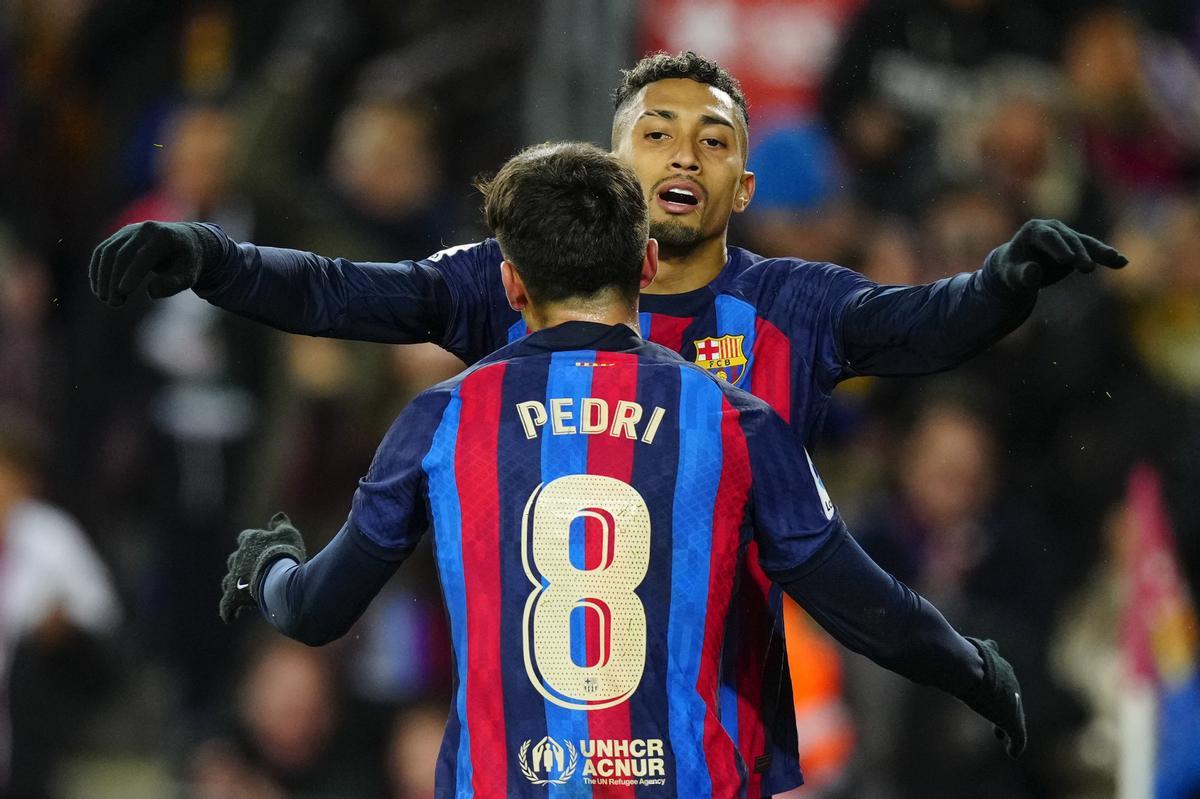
column 686, row 142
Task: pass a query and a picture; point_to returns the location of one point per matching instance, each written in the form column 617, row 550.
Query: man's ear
column 649, row 263
column 514, row 287
column 745, row 193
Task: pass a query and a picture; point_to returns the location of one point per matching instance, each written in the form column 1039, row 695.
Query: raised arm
column 451, row 298
column 908, row 330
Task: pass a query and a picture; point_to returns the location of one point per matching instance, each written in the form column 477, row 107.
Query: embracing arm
column 871, row 612
column 907, row 330
column 300, row 292
column 318, row 601
column 449, row 298
column 806, row 549
column 912, row 330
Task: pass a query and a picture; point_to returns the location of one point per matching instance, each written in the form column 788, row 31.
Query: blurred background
column 1044, row 494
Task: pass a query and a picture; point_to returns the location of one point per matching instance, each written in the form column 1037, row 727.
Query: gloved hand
column 1044, row 251
column 171, row 253
column 256, row 550
column 998, row 697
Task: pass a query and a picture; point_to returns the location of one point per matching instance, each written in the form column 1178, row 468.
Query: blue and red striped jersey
column 593, row 498
column 767, row 326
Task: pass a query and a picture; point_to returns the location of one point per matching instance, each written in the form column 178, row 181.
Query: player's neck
column 684, row 270
column 615, row 314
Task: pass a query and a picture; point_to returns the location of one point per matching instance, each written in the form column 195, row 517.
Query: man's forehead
column 684, row 95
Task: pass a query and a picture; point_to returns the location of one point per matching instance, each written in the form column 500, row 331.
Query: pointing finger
column 1102, row 253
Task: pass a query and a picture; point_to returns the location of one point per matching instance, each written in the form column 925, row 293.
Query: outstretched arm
column 806, row 549
column 871, row 612
column 907, row 330
column 313, row 601
column 450, row 298
column 317, row 601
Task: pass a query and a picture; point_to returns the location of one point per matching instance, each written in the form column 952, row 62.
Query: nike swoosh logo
column 242, row 586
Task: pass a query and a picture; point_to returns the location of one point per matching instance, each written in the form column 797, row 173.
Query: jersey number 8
column 585, row 545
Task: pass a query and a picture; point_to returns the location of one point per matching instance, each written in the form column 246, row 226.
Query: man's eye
column 713, row 142
column 656, row 135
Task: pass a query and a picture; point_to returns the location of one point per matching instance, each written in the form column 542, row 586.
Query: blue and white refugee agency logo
column 549, row 762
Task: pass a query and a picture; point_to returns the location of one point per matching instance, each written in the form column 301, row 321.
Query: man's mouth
column 679, row 198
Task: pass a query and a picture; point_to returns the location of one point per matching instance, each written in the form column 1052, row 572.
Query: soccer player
column 591, row 496
column 785, row 329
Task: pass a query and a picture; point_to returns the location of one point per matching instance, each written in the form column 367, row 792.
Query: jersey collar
column 695, row 302
column 583, row 336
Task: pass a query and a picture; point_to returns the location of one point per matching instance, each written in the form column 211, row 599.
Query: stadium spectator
column 58, row 605
column 413, row 749
column 1134, row 92
column 194, row 403
column 1028, row 154
column 909, row 76
column 33, row 345
column 947, row 533
column 289, row 735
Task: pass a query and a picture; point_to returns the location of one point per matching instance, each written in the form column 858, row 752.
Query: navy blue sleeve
column 453, row 298
column 790, row 510
column 390, row 506
column 317, row 601
column 803, row 546
column 872, row 613
column 912, row 330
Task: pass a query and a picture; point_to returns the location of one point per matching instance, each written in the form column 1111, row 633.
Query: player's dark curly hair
column 665, row 66
column 571, row 219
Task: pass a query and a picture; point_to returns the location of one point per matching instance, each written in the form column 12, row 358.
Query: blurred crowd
column 901, row 138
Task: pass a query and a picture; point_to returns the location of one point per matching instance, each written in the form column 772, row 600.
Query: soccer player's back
column 588, row 494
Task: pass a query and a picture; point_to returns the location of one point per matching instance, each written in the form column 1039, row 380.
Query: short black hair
column 571, row 219
column 666, row 66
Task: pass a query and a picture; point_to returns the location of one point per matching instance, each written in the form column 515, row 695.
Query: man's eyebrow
column 707, row 119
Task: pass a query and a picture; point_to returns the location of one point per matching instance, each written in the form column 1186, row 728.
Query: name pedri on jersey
column 592, row 499
column 767, row 326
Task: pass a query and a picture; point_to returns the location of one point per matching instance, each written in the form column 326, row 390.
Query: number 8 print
column 584, row 627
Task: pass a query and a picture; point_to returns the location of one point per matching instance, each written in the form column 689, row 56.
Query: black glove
column 257, row 550
column 1044, row 251
column 998, row 697
column 171, row 253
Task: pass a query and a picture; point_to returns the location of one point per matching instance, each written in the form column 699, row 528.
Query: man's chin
column 673, row 235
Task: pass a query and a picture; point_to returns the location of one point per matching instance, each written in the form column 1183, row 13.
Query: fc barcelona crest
column 723, row 357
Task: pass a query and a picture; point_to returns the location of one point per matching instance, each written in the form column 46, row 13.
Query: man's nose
column 685, row 159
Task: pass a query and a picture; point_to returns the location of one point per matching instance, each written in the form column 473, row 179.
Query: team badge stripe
column 667, row 331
